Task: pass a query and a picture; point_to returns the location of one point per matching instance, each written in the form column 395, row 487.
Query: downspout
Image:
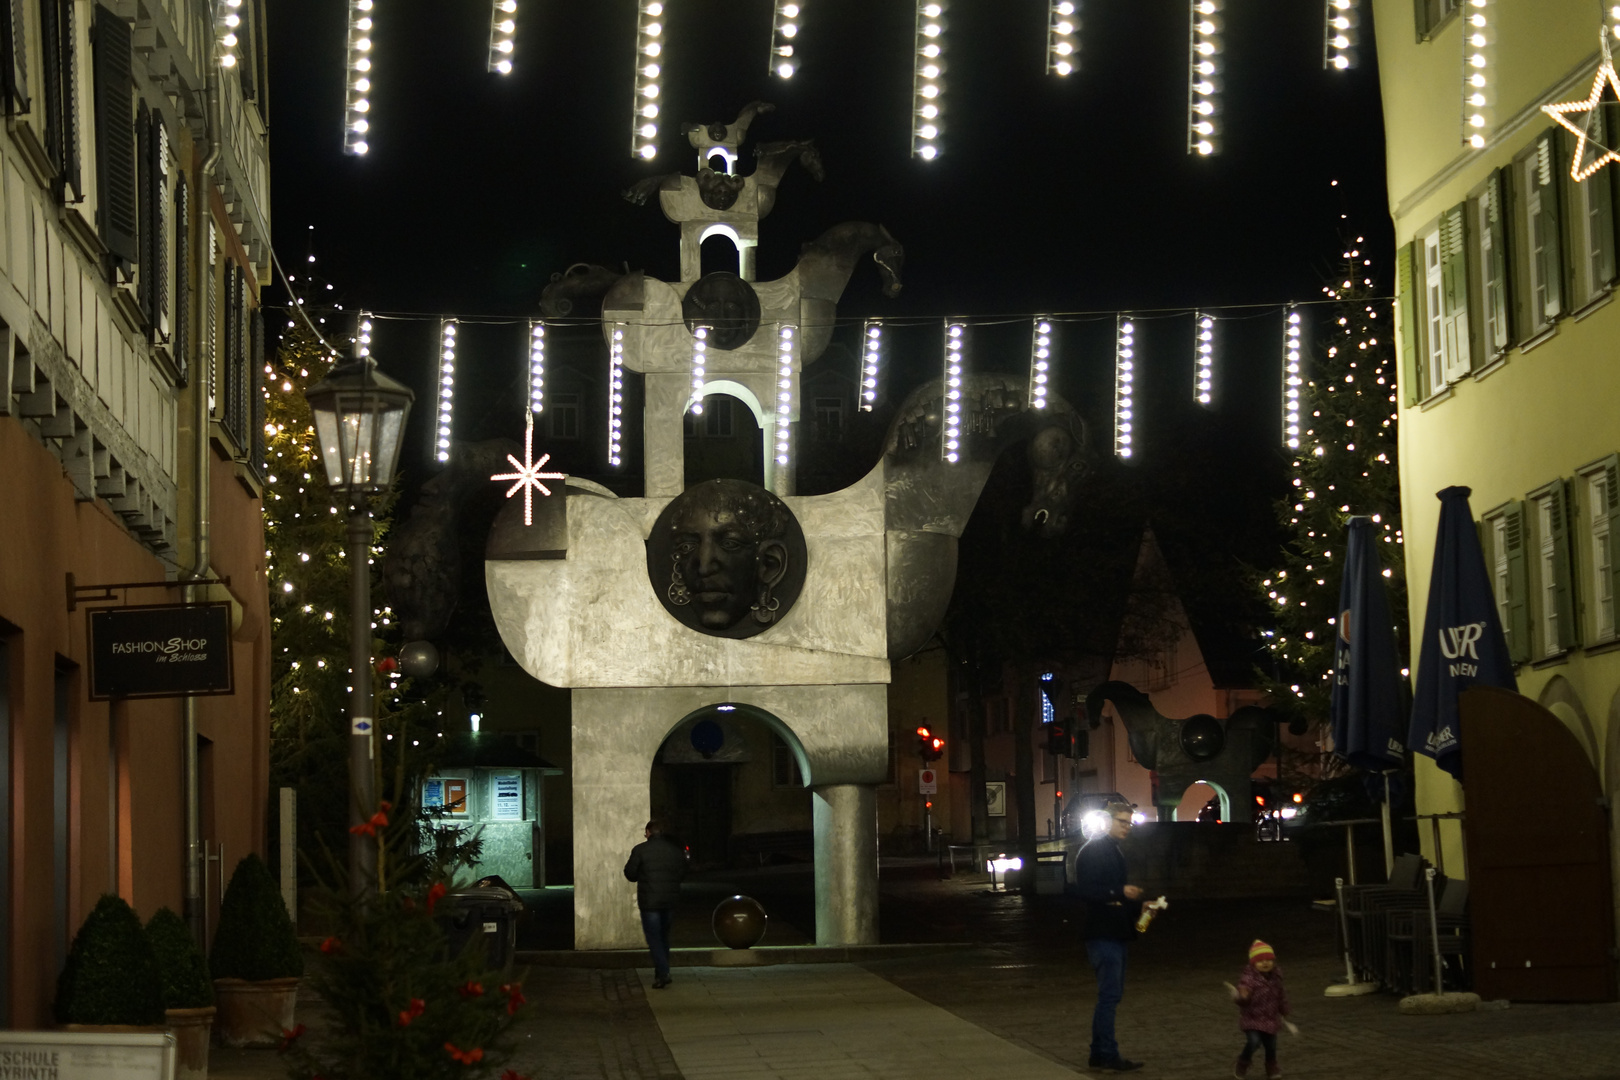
column 202, row 553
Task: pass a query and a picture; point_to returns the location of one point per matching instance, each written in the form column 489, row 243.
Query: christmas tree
column 307, row 566
column 1345, row 465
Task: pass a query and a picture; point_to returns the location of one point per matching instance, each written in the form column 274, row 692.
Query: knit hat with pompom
column 1261, row 951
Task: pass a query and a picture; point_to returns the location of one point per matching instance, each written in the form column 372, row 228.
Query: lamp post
column 359, row 425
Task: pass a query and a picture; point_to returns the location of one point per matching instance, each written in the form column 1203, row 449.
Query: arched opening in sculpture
column 724, row 441
column 731, row 783
column 721, row 250
column 721, row 159
column 1202, row 794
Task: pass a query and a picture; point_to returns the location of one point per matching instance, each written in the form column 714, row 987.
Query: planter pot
column 253, row 1013
column 191, row 1029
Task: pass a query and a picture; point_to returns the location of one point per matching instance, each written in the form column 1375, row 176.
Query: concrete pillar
column 663, row 436
column 611, row 805
column 846, row 864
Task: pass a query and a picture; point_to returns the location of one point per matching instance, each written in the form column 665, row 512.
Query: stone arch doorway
column 724, row 441
column 1198, row 795
column 730, row 783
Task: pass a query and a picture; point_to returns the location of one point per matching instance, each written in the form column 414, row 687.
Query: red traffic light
column 929, row 746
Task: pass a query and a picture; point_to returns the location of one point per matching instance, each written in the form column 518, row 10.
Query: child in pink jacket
column 1262, row 1006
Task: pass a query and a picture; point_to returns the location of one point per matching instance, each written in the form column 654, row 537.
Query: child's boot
column 1241, row 1069
column 1273, row 1070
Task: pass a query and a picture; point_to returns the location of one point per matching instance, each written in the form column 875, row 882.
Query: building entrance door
column 1537, row 839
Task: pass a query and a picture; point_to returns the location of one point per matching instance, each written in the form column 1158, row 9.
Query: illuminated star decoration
column 528, row 475
column 1592, row 107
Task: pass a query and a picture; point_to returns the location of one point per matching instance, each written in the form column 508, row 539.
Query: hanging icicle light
column 357, row 94
column 649, row 70
column 1477, row 73
column 1202, row 88
column 1040, row 362
column 928, row 85
column 362, row 337
column 1614, row 20
column 537, row 366
column 784, row 31
column 1063, row 38
column 615, row 393
column 1339, row 35
column 1124, row 384
column 871, row 359
column 447, row 388
column 1292, row 381
column 502, row 30
column 785, row 336
column 229, row 20
column 1203, row 358
column 700, row 368
column 951, row 428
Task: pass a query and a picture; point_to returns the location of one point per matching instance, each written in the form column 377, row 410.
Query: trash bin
column 482, row 916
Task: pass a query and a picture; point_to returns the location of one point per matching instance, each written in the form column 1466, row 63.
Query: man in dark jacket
column 1112, row 906
column 657, row 867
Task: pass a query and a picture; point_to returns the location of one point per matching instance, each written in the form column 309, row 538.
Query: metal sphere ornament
column 418, row 659
column 739, row 922
column 1202, row 737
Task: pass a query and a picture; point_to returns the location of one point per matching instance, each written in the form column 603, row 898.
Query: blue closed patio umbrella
column 1463, row 642
column 1369, row 691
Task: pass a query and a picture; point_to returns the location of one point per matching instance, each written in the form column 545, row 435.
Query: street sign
column 164, row 650
column 927, row 782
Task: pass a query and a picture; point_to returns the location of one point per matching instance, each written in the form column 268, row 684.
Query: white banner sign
column 73, row 1055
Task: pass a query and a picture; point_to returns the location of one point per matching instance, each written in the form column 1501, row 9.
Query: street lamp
column 359, row 425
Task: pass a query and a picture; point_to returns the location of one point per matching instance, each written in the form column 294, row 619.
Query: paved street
column 1016, row 1003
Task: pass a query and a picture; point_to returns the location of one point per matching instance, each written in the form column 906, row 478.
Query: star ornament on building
column 528, row 476
column 1592, row 110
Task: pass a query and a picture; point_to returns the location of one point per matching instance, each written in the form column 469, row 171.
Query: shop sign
column 166, row 650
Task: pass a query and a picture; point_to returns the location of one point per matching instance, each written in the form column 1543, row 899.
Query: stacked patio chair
column 1409, row 942
column 1365, row 908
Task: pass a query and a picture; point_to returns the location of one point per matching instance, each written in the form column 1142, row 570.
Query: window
column 13, row 77
column 117, row 190
column 1540, row 265
column 1429, row 15
column 1592, row 231
column 1490, row 260
column 1504, row 532
column 564, row 414
column 1048, row 714
column 1602, row 483
column 182, row 290
column 1555, row 619
column 59, row 44
column 785, row 764
column 829, row 419
column 1434, row 311
column 152, row 281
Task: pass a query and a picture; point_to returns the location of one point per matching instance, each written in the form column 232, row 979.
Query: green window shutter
column 1406, row 305
column 1494, row 272
column 1420, row 19
column 14, row 59
column 182, row 276
column 1454, row 287
column 145, row 277
column 1569, row 631
column 1611, row 491
column 1518, row 598
column 1552, row 233
column 115, row 137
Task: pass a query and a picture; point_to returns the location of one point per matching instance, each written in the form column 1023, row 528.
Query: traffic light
column 929, row 745
column 1058, row 741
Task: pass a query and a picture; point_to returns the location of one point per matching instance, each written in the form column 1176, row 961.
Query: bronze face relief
column 726, row 558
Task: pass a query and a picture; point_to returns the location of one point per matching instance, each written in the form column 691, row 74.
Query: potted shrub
column 188, row 992
column 255, row 960
column 110, row 980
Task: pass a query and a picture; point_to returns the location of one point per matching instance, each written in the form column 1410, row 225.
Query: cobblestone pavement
column 1026, row 981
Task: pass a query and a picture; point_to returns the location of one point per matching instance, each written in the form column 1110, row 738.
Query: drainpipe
column 202, row 553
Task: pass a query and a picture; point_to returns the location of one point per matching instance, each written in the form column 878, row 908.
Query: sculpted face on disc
column 726, row 558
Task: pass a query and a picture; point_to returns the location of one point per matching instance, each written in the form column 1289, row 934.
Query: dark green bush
column 111, row 975
column 181, row 966
column 255, row 938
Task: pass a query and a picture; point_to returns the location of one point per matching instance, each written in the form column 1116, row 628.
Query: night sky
column 1051, row 195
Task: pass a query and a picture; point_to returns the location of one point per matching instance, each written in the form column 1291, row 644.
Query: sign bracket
column 77, row 593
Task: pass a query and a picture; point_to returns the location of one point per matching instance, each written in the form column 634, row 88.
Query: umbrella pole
column 1434, row 932
column 1389, row 835
column 1351, row 987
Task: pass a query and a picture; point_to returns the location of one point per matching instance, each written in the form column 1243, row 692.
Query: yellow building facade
column 1509, row 341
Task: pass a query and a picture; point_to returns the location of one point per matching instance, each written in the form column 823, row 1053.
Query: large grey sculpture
column 582, row 602
column 1179, row 750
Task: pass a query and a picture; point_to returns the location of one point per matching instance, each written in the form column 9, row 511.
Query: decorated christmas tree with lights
column 1344, row 464
column 307, row 567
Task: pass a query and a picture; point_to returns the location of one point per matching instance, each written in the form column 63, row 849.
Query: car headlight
column 1094, row 823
